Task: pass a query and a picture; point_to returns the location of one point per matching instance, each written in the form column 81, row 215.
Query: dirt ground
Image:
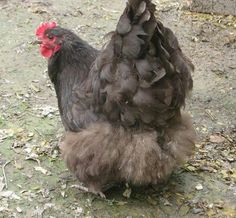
column 33, row 179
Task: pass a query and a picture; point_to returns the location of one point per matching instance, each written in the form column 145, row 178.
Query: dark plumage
column 122, row 105
column 68, row 70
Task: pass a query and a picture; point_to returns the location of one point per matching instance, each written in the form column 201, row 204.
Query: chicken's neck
column 69, row 70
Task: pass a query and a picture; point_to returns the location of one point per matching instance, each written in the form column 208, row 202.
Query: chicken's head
column 49, row 41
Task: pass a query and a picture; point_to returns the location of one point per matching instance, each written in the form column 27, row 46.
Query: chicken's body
column 122, row 113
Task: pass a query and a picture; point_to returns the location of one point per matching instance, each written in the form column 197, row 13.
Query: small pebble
column 195, row 39
column 197, row 210
column 230, row 159
column 209, row 99
column 210, row 206
column 19, row 210
column 199, row 187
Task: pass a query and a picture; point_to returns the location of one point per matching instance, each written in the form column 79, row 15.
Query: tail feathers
column 135, row 28
column 136, row 12
column 168, row 48
column 103, row 154
column 139, row 6
column 173, row 59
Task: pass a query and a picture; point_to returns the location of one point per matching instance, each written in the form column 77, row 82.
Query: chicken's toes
column 97, row 192
column 102, row 195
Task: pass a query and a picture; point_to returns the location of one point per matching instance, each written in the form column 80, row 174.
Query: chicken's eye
column 50, row 36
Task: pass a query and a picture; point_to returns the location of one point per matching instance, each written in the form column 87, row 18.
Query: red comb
column 44, row 26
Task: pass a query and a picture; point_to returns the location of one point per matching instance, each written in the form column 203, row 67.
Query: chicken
column 121, row 106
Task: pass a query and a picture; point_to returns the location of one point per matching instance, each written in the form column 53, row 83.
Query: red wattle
column 46, row 52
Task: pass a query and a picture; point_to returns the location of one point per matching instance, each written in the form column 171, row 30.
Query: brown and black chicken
column 121, row 106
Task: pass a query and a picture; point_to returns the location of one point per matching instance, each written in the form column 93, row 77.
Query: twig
column 40, row 98
column 109, row 10
column 80, row 187
column 34, row 159
column 13, row 149
column 40, row 134
column 4, row 173
column 209, row 113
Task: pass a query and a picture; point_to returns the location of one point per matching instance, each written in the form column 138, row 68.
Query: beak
column 36, row 42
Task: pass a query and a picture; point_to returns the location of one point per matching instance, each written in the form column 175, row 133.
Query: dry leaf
column 79, row 210
column 2, row 184
column 42, row 170
column 127, row 193
column 34, row 88
column 216, row 139
column 167, row 203
column 121, row 203
column 48, row 110
column 63, row 186
column 18, row 166
column 3, row 209
column 10, row 195
column 63, row 194
column 151, row 201
column 191, row 168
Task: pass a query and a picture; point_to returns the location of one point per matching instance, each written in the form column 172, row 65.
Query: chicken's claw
column 102, row 195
